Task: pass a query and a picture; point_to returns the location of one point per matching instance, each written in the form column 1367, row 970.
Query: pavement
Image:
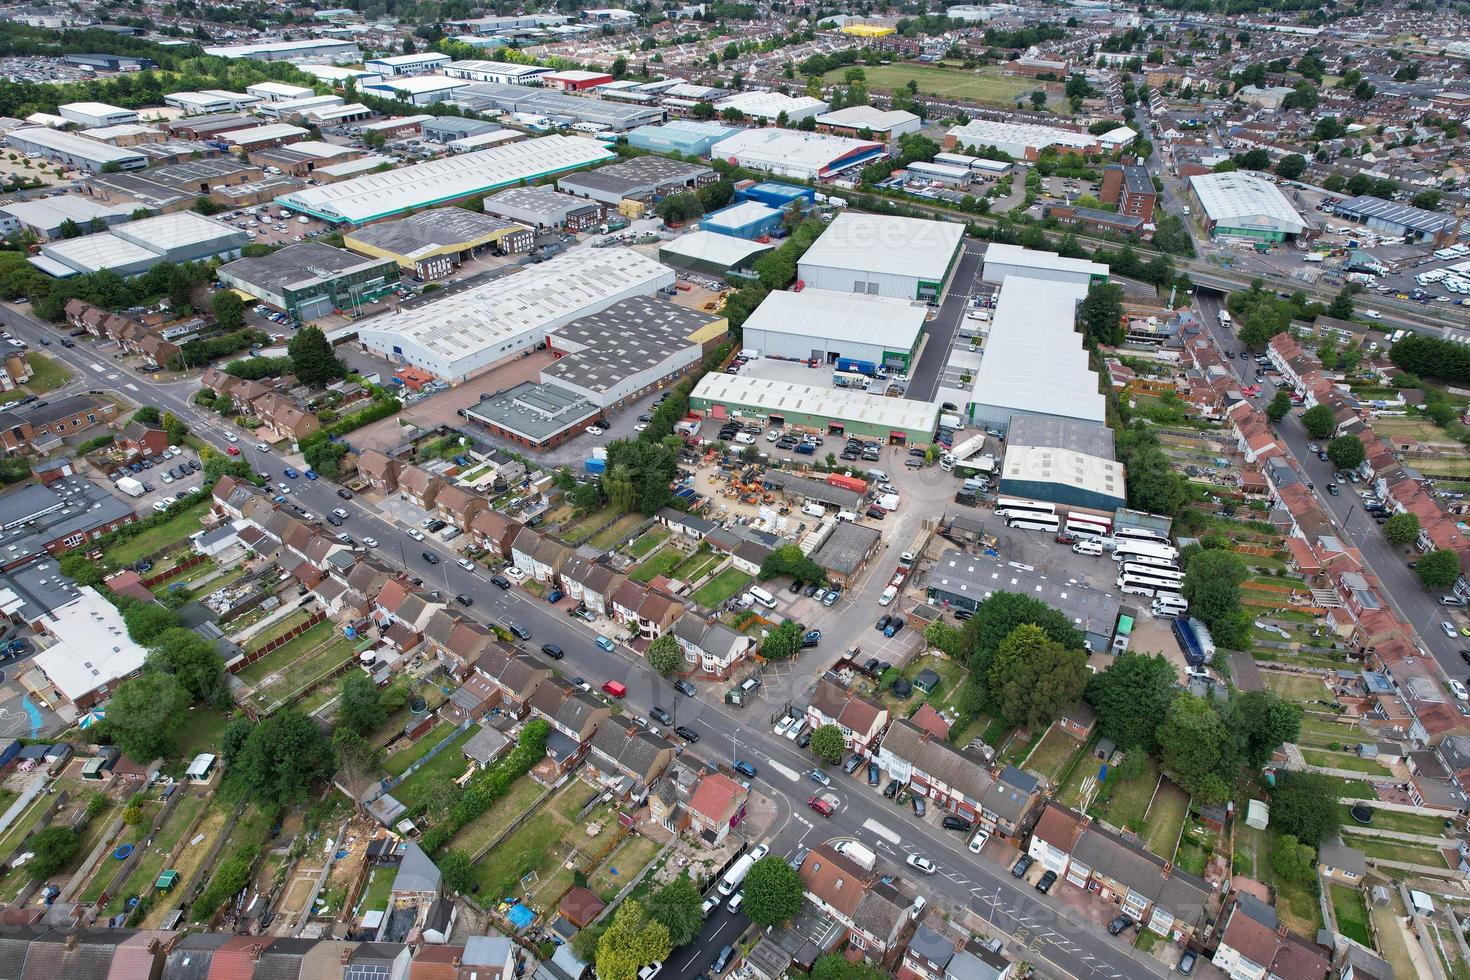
column 1052, row 932
column 1400, row 585
column 940, row 332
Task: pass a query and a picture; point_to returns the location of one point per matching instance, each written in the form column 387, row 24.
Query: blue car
column 291, row 472
column 555, row 596
column 311, row 474
column 279, row 498
column 604, row 644
column 830, row 599
column 744, row 768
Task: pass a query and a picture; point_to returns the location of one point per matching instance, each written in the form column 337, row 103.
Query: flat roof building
column 338, row 75
column 1054, row 432
column 279, row 91
column 74, row 151
column 212, row 101
column 297, row 108
column 826, row 326
column 277, row 134
column 883, row 255
column 317, row 48
column 460, row 335
column 1062, row 476
column 1003, row 261
column 392, row 192
column 535, row 415
column 92, row 652
column 543, row 207
column 768, row 106
column 837, row 411
column 172, row 187
column 134, row 248
column 559, row 108
column 685, row 136
column 793, row 153
column 309, row 280
column 640, row 178
column 432, row 243
column 94, row 114
column 1239, row 205
column 407, row 64
column 710, row 253
column 416, row 89
column 445, row 129
column 1396, row 219
column 744, row 219
column 628, row 349
column 498, row 72
column 1034, row 361
column 884, row 124
column 1026, row 140
column 46, row 217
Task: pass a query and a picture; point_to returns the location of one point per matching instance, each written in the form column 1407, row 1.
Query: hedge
column 379, row 409
column 491, row 785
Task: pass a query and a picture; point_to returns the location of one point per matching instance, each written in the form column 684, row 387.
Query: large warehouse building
column 1394, row 219
column 1034, row 361
column 465, row 333
column 1003, row 261
column 1238, row 205
column 792, row 153
column 1062, row 476
column 75, row 151
column 382, row 195
column 835, row 411
column 826, row 326
column 317, row 48
column 432, row 244
column 1025, row 141
column 684, row 136
column 883, row 255
column 711, row 253
column 767, row 107
column 630, row 348
column 310, row 280
column 138, row 246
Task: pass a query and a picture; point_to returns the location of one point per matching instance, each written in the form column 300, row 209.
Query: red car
column 821, row 806
column 233, row 450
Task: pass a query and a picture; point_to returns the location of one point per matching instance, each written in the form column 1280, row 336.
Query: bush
column 94, row 444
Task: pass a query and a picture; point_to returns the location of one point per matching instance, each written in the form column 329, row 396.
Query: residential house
column 1342, row 864
column 934, row 769
column 492, row 530
column 626, row 758
column 456, row 641
column 861, row 720
column 645, row 609
column 590, row 583
column 376, row 961
column 927, row 955
column 1254, row 946
column 687, row 525
column 145, row 440
column 573, row 715
column 458, row 505
column 418, row 880
column 42, row 427
column 515, row 677
column 716, row 806
column 523, row 556
column 379, row 470
column 711, row 648
column 420, row 486
column 284, row 418
column 1077, row 720
column 871, row 913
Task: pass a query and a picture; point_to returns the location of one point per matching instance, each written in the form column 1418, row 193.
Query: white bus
column 1017, row 507
column 1154, row 588
column 1152, row 571
column 1034, row 522
column 1150, row 561
column 1125, row 550
column 1139, row 534
column 1170, row 606
column 1099, row 527
column 736, row 874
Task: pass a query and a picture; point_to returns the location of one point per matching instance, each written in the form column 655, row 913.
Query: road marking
column 97, row 367
column 130, row 386
column 790, row 774
column 880, row 830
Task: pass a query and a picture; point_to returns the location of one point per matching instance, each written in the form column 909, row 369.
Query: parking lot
column 166, row 477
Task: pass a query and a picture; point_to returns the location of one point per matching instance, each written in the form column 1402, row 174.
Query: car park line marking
column 880, row 830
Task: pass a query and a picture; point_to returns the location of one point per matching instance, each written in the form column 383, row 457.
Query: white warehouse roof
column 886, row 245
column 1237, row 200
column 878, row 120
column 1031, row 258
column 791, row 151
column 849, row 404
column 713, row 247
column 77, row 146
column 769, row 105
column 395, row 191
column 893, row 324
column 1034, row 360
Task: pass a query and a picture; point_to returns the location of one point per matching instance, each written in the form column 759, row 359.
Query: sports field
column 982, row 85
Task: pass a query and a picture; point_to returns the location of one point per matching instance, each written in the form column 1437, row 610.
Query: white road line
column 790, row 774
column 97, row 367
column 880, row 830
column 130, row 386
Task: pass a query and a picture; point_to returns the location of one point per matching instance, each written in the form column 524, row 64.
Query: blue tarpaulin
column 520, row 916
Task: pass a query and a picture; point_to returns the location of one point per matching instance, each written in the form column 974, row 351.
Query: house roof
column 939, row 759
column 716, row 797
column 834, row 879
column 417, row 872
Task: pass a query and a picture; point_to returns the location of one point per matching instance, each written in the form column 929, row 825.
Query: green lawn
column 1166, row 818
column 175, row 530
column 1128, row 797
column 375, row 896
column 983, row 85
column 629, row 859
column 1294, row 687
column 1352, row 915
column 319, row 652
column 661, row 563
column 1393, row 850
column 728, row 582
column 697, row 565
column 640, row 546
column 286, row 654
column 533, row 847
column 280, row 627
column 1344, row 760
column 1404, row 823
column 479, row 832
column 614, row 532
column 46, row 374
column 401, row 759
column 588, row 526
column 448, row 764
column 1296, row 902
column 146, row 872
column 1052, row 753
column 201, row 732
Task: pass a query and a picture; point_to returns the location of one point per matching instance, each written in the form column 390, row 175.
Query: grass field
column 1296, row 902
column 1393, row 850
column 397, row 763
column 1294, row 687
column 312, row 655
column 1403, row 823
column 1052, row 753
column 46, row 374
column 280, row 627
column 697, row 565
column 1166, row 818
column 661, row 563
column 984, row 85
column 479, row 832
column 721, row 587
column 581, row 530
column 640, row 546
column 1129, row 797
column 448, row 764
column 533, row 847
column 1321, row 733
column 1344, row 760
column 614, row 532
column 175, row 530
column 380, row 888
column 1351, row 914
column 622, row 866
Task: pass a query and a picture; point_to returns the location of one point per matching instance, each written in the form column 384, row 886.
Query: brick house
column 420, row 486
column 1255, row 946
column 515, row 677
column 459, row 506
column 711, row 648
column 591, row 584
column 574, row 716
column 494, row 531
column 871, row 913
column 626, row 759
column 379, row 470
column 42, row 429
column 716, row 806
column 284, row 418
column 644, row 609
column 143, row 439
column 861, row 720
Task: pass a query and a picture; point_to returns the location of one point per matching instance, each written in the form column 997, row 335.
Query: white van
column 758, row 594
column 1170, row 606
column 877, row 476
column 814, row 510
column 846, row 516
column 1090, row 546
column 889, row 594
column 744, row 438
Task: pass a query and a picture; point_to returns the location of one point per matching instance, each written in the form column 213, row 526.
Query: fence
column 131, row 861
column 193, row 561
column 388, row 785
column 252, row 656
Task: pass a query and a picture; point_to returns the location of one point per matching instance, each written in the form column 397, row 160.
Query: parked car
column 686, row 733
column 1023, row 865
column 553, row 651
column 661, row 716
column 1044, row 883
column 501, row 581
column 851, row 765
column 922, row 864
column 1120, row 925
column 744, row 768
column 1186, row 962
column 430, row 557
column 953, row 822
column 977, row 843
column 819, row 777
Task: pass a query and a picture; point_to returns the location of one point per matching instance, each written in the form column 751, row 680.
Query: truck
column 965, row 450
column 857, row 853
column 855, row 366
column 131, row 487
column 1195, row 640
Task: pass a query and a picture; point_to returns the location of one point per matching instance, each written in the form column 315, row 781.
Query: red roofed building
column 717, row 805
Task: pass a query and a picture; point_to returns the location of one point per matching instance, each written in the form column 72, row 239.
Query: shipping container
column 847, row 482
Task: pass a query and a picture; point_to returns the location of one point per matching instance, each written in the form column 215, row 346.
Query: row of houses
column 132, row 336
column 281, row 413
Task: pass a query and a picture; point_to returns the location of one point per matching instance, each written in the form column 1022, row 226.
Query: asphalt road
column 1042, row 929
column 924, row 379
column 1401, row 586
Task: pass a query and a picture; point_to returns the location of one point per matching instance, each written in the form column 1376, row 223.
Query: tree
column 1428, row 200
column 457, row 870
column 1264, row 722
column 1196, row 749
column 631, row 942
column 1319, row 421
column 1291, row 166
column 1291, row 859
column 679, row 208
column 1304, row 804
column 999, row 615
column 177, row 428
column 217, row 465
column 1212, row 585
column 773, row 892
column 664, row 655
column 1033, row 678
column 312, row 359
column 1439, row 569
column 51, row 850
column 325, row 458
column 359, row 706
column 617, row 486
column 788, row 559
column 68, row 229
column 834, row 966
column 148, row 415
column 783, row 642
column 1131, row 696
column 1402, row 529
column 282, row 757
column 1101, row 314
column 229, row 310
column 146, row 621
column 193, row 662
column 1342, row 304
column 1346, row 452
column 676, row 907
column 1280, row 406
column 828, row 745
column 145, row 714
column 1257, row 329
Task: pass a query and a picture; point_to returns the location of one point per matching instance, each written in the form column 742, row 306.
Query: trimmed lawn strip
column 530, row 848
column 1404, row 823
column 1129, row 799
column 982, row 85
column 279, row 628
column 502, row 813
column 1296, row 902
column 285, row 655
column 1344, row 760
column 447, row 765
column 661, row 563
column 380, row 888
column 640, row 546
column 714, row 592
column 173, row 531
column 1166, row 818
column 397, row 763
column 632, row 855
column 146, row 873
column 1394, row 850
column 326, row 655
column 1351, row 914
column 1294, row 687
column 696, row 566
column 1052, row 754
column 614, row 532
column 108, row 866
column 588, row 526
column 46, row 374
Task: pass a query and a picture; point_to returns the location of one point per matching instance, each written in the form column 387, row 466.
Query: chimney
column 925, row 735
column 347, row 956
column 255, row 952
column 456, row 962
column 1168, row 869
column 1281, row 930
column 71, row 940
column 152, row 946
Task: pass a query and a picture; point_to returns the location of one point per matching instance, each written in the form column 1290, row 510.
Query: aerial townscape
column 735, row 490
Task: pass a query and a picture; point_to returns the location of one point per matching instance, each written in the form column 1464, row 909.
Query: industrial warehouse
column 1239, row 205
column 791, row 153
column 883, row 255
column 854, row 332
column 133, row 248
column 310, row 280
column 432, row 244
column 836, row 411
column 381, row 195
column 467, row 332
column 711, row 253
column 1003, row 261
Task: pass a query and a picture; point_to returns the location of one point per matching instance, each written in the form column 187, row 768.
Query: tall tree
column 676, row 906
column 312, row 359
column 1346, row 452
column 1280, row 406
column 1342, row 304
column 1402, row 529
column 1319, row 421
column 192, row 660
column 1101, row 314
column 1304, row 804
column 1033, row 677
column 145, row 714
column 1439, row 569
column 1131, row 696
column 359, row 705
column 773, row 892
column 827, row 744
column 1263, row 722
column 1197, row 750
column 229, row 310
column 664, row 657
column 631, row 942
column 51, row 850
column 282, row 757
column 1212, row 580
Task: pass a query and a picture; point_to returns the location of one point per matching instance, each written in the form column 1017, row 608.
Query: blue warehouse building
column 748, row 220
column 680, row 136
column 775, row 194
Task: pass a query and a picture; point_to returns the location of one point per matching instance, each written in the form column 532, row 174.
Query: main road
column 1042, row 929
